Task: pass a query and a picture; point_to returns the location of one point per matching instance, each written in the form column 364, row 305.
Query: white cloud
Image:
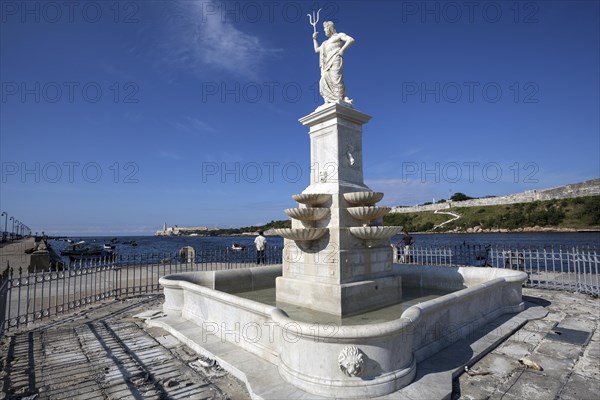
column 193, row 125
column 204, row 39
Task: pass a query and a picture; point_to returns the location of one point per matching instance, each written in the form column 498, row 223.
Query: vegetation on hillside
column 246, row 229
column 578, row 213
column 458, row 196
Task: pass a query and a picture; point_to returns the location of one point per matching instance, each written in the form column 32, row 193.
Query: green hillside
column 246, row 229
column 576, row 213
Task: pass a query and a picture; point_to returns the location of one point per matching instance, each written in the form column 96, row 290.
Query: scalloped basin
column 363, row 198
column 302, row 234
column 311, row 199
column 368, row 213
column 307, row 213
column 375, row 232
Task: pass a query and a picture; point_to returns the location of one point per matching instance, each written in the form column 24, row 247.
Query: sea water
column 165, row 244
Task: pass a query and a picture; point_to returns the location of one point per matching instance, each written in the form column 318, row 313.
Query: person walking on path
column 261, row 244
column 408, row 242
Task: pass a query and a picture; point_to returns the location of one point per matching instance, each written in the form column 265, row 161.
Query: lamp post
column 17, row 223
column 4, row 233
column 12, row 232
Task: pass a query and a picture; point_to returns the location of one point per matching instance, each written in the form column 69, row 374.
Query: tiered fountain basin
column 328, row 357
column 368, row 213
column 307, row 213
column 339, row 273
column 301, row 234
column 373, row 233
column 312, row 199
column 365, row 198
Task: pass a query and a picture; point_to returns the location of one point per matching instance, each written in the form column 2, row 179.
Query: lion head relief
column 351, row 361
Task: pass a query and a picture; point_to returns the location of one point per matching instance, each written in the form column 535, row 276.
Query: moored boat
column 82, row 249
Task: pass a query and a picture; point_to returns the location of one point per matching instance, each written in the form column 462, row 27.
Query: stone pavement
column 14, row 253
column 105, row 353
column 565, row 344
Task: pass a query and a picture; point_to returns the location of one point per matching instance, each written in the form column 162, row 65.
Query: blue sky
column 117, row 117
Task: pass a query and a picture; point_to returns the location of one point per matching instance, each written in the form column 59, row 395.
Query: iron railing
column 4, row 285
column 566, row 268
column 32, row 296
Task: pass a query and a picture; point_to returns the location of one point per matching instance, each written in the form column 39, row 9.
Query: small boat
column 108, row 246
column 82, row 249
column 237, row 247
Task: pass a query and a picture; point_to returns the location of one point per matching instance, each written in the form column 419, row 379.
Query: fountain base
column 331, row 359
column 341, row 299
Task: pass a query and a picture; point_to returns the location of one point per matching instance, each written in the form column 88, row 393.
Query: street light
column 12, row 232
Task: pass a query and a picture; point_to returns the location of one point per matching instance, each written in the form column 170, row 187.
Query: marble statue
column 331, row 61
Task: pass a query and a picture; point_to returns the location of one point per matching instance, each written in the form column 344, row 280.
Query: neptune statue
column 331, row 61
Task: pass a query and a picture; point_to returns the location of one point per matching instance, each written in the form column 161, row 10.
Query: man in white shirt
column 261, row 244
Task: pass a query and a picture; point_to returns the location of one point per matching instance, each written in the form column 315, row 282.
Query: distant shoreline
column 518, row 230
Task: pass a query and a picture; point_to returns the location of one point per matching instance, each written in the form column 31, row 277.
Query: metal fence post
column 4, row 302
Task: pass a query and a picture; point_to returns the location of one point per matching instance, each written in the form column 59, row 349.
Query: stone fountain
column 337, row 264
column 337, row 256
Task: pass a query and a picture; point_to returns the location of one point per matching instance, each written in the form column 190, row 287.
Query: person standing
column 261, row 244
column 408, row 242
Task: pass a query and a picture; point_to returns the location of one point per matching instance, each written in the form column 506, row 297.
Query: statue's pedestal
column 337, row 274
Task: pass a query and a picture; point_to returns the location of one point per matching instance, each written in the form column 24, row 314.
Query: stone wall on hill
column 582, row 189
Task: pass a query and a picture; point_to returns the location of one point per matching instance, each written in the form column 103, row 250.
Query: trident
column 314, row 19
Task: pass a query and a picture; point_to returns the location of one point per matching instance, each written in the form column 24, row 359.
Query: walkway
column 455, row 216
column 14, row 254
column 105, row 353
column 565, row 344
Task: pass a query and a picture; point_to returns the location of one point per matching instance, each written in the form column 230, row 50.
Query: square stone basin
column 337, row 357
